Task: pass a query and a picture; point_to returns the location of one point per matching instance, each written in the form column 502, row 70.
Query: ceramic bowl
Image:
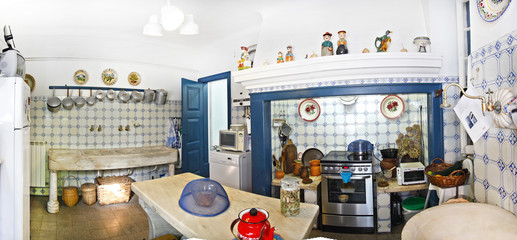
column 343, row 198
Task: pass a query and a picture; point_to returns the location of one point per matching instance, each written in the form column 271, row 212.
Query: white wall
column 303, row 25
column 485, row 32
column 58, row 72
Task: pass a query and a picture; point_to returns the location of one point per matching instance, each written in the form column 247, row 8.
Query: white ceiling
column 82, row 28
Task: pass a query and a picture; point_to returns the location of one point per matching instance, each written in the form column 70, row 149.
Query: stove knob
column 365, row 169
column 325, row 169
column 352, row 168
column 360, row 169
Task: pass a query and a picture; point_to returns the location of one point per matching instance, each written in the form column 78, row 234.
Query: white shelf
column 352, row 67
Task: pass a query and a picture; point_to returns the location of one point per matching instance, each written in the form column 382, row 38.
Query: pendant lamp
column 189, row 27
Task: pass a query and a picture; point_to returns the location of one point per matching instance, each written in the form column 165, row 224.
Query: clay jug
column 315, row 167
column 304, row 172
column 280, row 174
column 297, row 167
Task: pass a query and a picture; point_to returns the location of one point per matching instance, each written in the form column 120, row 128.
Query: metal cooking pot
column 149, row 96
column 99, row 94
column 91, row 100
column 54, row 103
column 360, row 147
column 67, row 102
column 123, row 96
column 111, row 95
column 79, row 101
column 136, row 96
column 161, row 97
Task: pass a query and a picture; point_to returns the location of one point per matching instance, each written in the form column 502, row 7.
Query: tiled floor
column 123, row 221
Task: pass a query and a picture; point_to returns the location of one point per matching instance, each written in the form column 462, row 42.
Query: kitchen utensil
column 309, row 110
column 123, row 96
column 253, row 224
column 99, row 94
column 315, row 167
column 54, row 103
column 149, row 96
column 67, row 102
column 304, row 172
column 79, row 101
column 91, row 100
column 204, row 197
column 161, row 97
column 297, row 167
column 311, row 154
column 137, row 96
column 389, row 152
column 70, row 194
column 307, row 181
column 360, row 147
column 111, row 95
column 290, row 154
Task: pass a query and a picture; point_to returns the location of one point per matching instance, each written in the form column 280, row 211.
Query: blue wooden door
column 194, row 125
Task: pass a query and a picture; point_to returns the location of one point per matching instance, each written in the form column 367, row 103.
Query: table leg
column 53, row 203
column 171, row 169
column 157, row 225
column 383, row 212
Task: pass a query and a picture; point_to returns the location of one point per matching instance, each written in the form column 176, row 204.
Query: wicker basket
column 89, row 191
column 70, row 194
column 445, row 181
column 115, row 189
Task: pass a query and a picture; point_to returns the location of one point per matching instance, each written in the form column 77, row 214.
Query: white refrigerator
column 14, row 158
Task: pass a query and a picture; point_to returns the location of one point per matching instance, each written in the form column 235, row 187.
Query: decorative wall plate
column 392, row 106
column 491, row 10
column 80, row 77
column 134, row 78
column 109, row 76
column 29, row 79
column 309, row 110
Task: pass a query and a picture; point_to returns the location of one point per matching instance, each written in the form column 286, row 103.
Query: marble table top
column 103, row 159
column 462, row 221
column 163, row 194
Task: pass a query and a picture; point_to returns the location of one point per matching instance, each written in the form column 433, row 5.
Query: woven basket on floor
column 89, row 191
column 445, row 181
column 70, row 194
column 114, row 189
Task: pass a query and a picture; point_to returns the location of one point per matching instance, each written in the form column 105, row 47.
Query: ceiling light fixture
column 153, row 28
column 189, row 27
column 171, row 17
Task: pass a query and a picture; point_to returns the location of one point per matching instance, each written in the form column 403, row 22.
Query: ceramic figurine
column 421, row 42
column 381, row 43
column 289, row 55
column 366, row 50
column 280, row 58
column 244, row 62
column 314, row 55
column 341, row 43
column 403, row 49
column 326, row 47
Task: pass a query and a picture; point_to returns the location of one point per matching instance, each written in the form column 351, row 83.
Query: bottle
column 290, row 196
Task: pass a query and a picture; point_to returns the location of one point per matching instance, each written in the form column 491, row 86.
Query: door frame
column 216, row 77
column 261, row 121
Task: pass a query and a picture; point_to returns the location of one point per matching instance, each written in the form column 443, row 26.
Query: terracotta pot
column 315, row 167
column 388, row 163
column 297, row 168
column 279, row 174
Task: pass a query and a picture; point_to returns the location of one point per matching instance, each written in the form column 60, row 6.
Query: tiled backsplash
column 70, row 129
column 495, row 154
column 340, row 124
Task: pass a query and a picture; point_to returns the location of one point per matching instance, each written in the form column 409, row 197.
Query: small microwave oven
column 233, row 140
column 411, row 173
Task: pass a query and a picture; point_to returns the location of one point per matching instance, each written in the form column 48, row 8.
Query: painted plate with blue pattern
column 491, row 10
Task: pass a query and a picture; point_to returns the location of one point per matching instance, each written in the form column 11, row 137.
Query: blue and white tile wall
column 494, row 66
column 70, row 129
column 339, row 124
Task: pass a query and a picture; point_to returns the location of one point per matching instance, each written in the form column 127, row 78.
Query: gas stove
column 336, row 162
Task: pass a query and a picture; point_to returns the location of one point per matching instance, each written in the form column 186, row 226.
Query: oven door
column 359, row 191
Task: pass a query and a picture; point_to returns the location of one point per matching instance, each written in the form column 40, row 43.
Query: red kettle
column 253, row 225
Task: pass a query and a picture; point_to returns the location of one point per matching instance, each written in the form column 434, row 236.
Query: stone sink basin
column 461, row 221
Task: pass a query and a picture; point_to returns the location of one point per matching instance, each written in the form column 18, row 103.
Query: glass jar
column 290, row 196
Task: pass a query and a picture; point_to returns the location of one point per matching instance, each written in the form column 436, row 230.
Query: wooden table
column 104, row 159
column 384, row 201
column 160, row 200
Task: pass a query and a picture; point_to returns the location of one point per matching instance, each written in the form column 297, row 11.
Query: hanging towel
column 172, row 135
column 346, row 176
